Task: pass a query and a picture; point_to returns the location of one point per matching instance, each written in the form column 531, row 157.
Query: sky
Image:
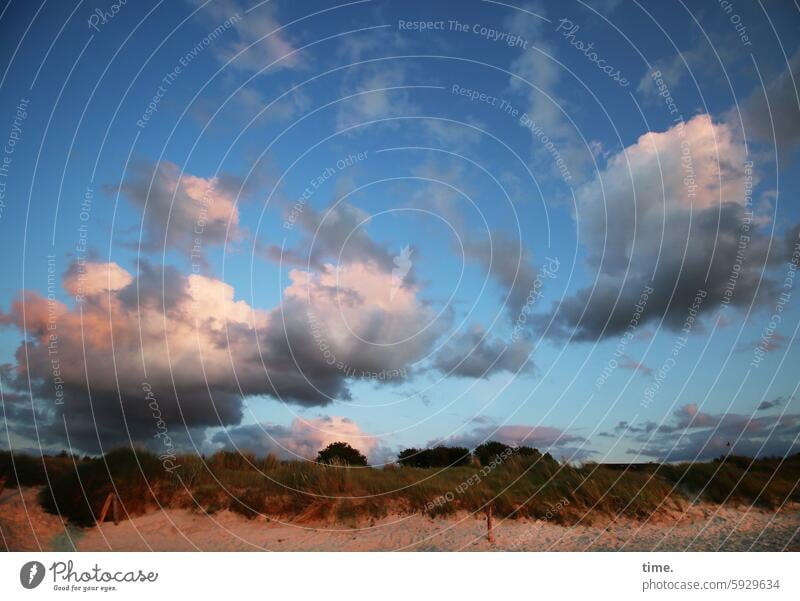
column 274, row 225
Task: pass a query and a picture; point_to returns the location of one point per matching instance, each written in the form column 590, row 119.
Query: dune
column 704, row 527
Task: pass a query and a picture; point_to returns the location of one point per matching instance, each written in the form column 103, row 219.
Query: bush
column 79, row 494
column 437, row 457
column 27, row 470
column 489, row 451
column 341, row 453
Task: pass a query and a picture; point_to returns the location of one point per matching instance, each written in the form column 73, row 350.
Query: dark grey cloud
column 337, row 235
column 772, row 404
column 772, row 115
column 155, row 285
column 693, row 435
column 509, row 263
column 178, row 209
column 477, row 354
column 201, row 355
column 650, row 225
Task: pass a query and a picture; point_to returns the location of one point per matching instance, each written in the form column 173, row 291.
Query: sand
column 25, row 526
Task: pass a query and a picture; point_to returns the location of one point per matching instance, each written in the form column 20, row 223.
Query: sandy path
column 708, row 529
column 24, row 526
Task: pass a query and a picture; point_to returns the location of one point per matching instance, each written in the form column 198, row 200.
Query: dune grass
column 535, row 487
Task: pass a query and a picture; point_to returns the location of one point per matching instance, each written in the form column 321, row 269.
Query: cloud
column 509, row 263
column 537, row 76
column 772, row 115
column 303, row 438
column 628, row 362
column 201, row 351
column 691, row 63
column 774, row 343
column 776, row 402
column 693, row 435
column 624, row 427
column 259, row 36
column 180, row 209
column 339, row 235
column 375, row 91
column 476, row 354
column 250, row 101
column 669, row 213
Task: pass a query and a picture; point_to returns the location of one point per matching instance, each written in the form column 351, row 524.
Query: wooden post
column 489, row 524
column 115, row 510
column 104, row 510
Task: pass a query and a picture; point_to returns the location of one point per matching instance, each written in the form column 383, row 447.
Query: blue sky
column 230, row 187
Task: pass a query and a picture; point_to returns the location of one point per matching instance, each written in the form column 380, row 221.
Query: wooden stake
column 115, row 510
column 104, row 510
column 489, row 524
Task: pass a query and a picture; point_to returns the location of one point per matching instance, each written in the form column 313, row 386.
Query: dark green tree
column 436, row 457
column 342, row 453
column 488, row 451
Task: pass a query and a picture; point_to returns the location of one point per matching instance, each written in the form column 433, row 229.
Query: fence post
column 489, row 524
column 115, row 510
column 104, row 510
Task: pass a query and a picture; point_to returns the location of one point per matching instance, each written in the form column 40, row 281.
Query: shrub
column 342, row 453
column 79, row 494
column 409, row 457
column 436, row 457
column 27, row 470
column 489, row 451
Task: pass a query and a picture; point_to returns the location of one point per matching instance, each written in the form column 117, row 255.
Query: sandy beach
column 702, row 528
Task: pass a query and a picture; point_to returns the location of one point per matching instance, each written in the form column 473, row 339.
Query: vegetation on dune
column 517, row 483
